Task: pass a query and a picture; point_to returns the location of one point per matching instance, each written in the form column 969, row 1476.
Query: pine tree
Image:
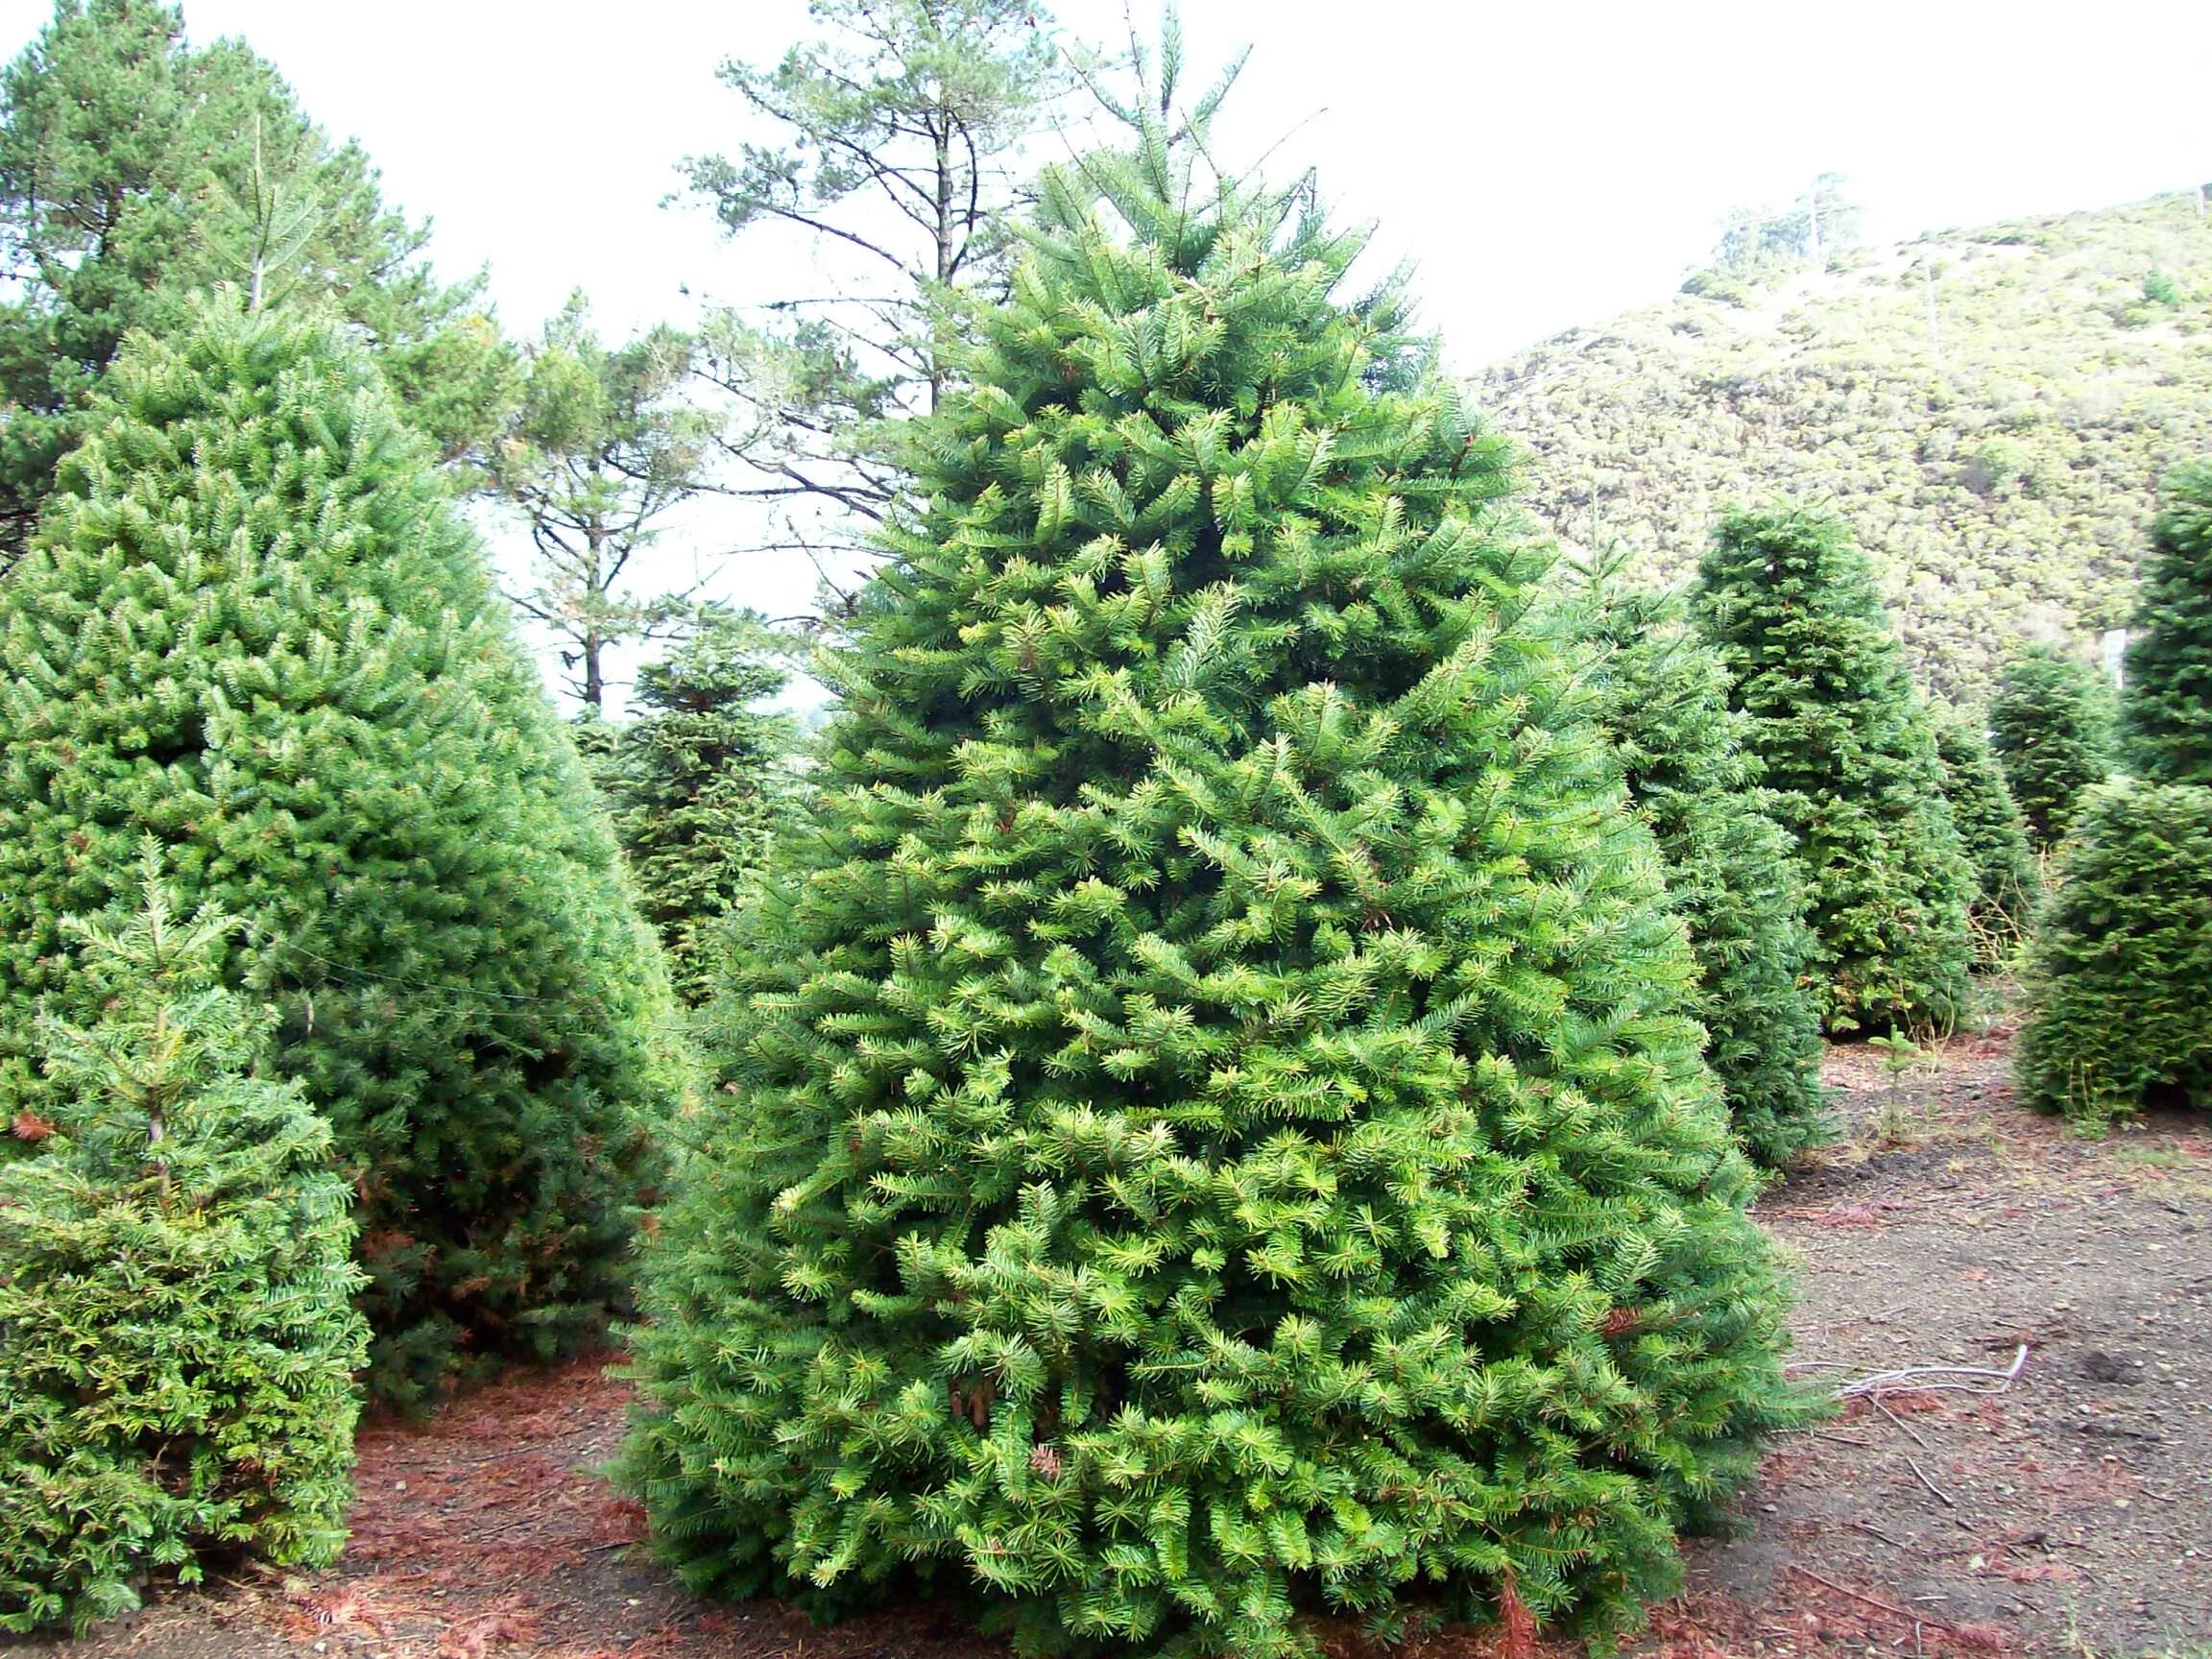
column 700, row 781
column 1730, row 867
column 2168, row 709
column 1991, row 833
column 2050, row 728
column 1848, row 751
column 2117, row 1013
column 177, row 1332
column 254, row 627
column 1212, row 1126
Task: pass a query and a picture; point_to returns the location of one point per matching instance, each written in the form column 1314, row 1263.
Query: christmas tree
column 2168, row 709
column 1848, row 751
column 1991, row 833
column 2050, row 728
column 255, row 628
column 177, row 1336
column 1730, row 867
column 1213, row 1128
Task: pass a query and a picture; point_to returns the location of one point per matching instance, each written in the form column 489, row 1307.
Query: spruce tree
column 1731, row 868
column 1212, row 1124
column 1991, row 833
column 254, row 627
column 177, row 1336
column 2050, row 728
column 2168, row 707
column 699, row 780
column 1847, row 748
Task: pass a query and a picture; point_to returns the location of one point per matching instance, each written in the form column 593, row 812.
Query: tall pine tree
column 1990, row 831
column 2168, row 710
column 1213, row 1128
column 1848, row 749
column 2050, row 728
column 254, row 627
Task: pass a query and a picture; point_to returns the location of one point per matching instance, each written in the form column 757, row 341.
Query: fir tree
column 2050, row 728
column 1212, row 1127
column 2118, row 1017
column 699, row 780
column 254, row 627
column 1991, row 831
column 2168, row 709
column 1731, row 868
column 177, row 1336
column 1848, row 751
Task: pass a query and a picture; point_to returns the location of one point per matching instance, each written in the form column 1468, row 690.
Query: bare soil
column 2069, row 1515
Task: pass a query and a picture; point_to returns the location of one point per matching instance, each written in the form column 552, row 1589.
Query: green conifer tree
column 178, row 1336
column 2050, row 728
column 1991, row 833
column 1730, row 867
column 699, row 780
column 254, row 627
column 1848, row 751
column 2168, row 707
column 1212, row 1128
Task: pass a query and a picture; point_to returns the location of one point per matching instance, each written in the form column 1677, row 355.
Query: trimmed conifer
column 2123, row 954
column 1731, row 868
column 2050, row 728
column 254, row 627
column 2168, row 707
column 1212, row 1129
column 1990, row 831
column 1847, row 749
column 178, row 1336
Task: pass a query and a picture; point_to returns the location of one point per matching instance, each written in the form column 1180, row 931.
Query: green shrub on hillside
column 177, row 1334
column 2005, row 881
column 2050, row 728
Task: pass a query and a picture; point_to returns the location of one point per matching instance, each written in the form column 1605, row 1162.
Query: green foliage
column 2123, row 954
column 2168, row 709
column 2050, row 728
column 1872, row 386
column 1730, row 867
column 255, row 628
column 1990, row 832
column 699, row 780
column 137, row 170
column 1848, row 752
column 177, row 1330
column 1212, row 1128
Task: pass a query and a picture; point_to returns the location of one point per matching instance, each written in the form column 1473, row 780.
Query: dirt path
column 2071, row 1515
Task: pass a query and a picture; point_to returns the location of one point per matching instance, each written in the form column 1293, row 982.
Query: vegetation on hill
column 1992, row 409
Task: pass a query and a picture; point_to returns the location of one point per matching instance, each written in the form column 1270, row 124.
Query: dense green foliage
column 1730, row 867
column 137, row 170
column 254, row 627
column 1848, row 751
column 2169, row 703
column 1990, row 832
column 1994, row 406
column 2050, row 728
column 699, row 780
column 2123, row 955
column 1212, row 1127
column 178, row 1336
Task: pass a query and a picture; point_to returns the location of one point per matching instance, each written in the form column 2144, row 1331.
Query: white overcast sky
column 1545, row 164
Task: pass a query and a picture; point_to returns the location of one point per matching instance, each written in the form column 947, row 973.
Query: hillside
column 1992, row 410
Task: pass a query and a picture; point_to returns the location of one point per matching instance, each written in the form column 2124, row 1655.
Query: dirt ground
column 2069, row 1515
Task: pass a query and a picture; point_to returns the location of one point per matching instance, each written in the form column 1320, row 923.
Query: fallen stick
column 1936, row 1379
column 1894, row 1611
column 1922, row 1475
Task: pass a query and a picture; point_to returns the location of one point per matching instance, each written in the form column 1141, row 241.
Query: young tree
column 1847, row 749
column 1213, row 1128
column 1990, row 832
column 598, row 454
column 137, row 170
column 177, row 1336
column 2050, row 728
column 254, row 627
column 1731, row 869
column 2168, row 710
column 701, row 780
